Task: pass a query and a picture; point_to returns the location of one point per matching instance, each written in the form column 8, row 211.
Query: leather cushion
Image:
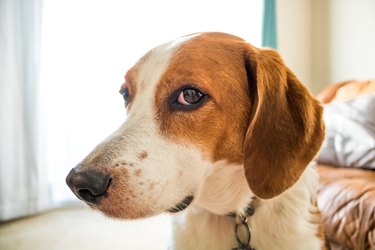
column 347, row 201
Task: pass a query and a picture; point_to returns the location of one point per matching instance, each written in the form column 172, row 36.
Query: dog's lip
column 182, row 204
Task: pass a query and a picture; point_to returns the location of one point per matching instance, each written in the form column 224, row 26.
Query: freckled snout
column 89, row 185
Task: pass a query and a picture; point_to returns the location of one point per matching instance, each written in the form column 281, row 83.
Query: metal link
column 241, row 222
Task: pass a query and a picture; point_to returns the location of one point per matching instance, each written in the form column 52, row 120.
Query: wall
column 325, row 41
column 294, row 36
column 352, row 39
column 320, row 64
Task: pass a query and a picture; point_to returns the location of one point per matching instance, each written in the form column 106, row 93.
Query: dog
column 220, row 134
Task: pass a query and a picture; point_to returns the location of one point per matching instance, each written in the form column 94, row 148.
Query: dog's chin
column 138, row 212
column 119, row 210
column 125, row 213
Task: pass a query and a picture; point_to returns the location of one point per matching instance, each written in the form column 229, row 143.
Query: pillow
column 350, row 133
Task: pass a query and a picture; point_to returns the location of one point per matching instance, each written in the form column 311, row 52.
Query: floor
column 76, row 228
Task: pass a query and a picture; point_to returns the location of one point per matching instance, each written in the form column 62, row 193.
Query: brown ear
column 285, row 129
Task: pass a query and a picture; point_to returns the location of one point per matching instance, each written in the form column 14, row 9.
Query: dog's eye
column 190, row 96
column 187, row 98
column 126, row 95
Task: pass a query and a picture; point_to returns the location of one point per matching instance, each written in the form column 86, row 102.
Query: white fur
column 284, row 222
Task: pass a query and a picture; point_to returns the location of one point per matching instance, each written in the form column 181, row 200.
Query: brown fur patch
column 214, row 63
column 286, row 130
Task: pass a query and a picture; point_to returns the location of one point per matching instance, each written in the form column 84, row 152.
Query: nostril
column 92, row 195
column 86, row 195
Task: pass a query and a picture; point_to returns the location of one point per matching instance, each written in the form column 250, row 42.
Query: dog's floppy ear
column 285, row 129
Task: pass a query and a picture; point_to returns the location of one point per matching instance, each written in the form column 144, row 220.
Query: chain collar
column 243, row 226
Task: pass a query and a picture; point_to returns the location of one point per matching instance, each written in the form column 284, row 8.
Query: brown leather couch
column 347, row 195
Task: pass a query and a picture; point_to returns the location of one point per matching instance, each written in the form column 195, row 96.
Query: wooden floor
column 83, row 229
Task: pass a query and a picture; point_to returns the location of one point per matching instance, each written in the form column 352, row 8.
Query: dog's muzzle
column 88, row 185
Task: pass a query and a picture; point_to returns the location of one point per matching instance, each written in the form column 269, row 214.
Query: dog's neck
column 225, row 190
column 288, row 221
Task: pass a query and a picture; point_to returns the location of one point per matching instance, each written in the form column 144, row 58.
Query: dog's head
column 194, row 102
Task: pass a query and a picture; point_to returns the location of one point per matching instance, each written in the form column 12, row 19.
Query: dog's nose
column 88, row 185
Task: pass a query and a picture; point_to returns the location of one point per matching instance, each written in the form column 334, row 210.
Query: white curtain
column 48, row 126
column 23, row 182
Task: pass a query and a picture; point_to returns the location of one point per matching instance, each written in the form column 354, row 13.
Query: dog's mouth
column 182, row 204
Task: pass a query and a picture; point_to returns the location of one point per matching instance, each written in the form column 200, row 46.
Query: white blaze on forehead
column 176, row 43
column 152, row 67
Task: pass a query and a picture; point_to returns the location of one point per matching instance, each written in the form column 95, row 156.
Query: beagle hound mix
column 214, row 124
